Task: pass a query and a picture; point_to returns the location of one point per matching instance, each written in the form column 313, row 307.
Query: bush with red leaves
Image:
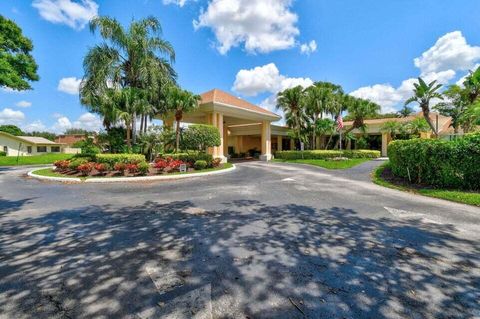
column 132, row 168
column 120, row 167
column 86, row 168
column 62, row 165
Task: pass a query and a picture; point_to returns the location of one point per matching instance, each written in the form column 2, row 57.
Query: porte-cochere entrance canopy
column 243, row 126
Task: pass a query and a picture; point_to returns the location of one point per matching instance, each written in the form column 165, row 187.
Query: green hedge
column 191, row 158
column 2, row 153
column 112, row 159
column 444, row 164
column 325, row 154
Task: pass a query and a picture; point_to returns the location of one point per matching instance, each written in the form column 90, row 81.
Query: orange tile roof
column 220, row 96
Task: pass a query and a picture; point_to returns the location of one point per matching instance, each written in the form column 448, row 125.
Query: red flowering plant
column 161, row 164
column 132, row 168
column 175, row 165
column 120, row 167
column 62, row 165
column 86, row 168
column 101, row 168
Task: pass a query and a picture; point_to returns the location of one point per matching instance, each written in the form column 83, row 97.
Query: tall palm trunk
column 426, row 115
column 142, row 118
column 178, row 118
column 134, row 128
column 129, row 144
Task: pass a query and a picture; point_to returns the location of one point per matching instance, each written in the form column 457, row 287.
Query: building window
column 41, row 149
column 5, row 149
column 55, row 149
column 29, row 149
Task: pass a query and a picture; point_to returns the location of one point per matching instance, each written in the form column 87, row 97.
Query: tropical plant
column 155, row 140
column 454, row 106
column 423, row 94
column 130, row 65
column 405, row 111
column 199, row 137
column 180, row 102
column 291, row 102
column 18, row 66
column 392, row 128
column 417, row 126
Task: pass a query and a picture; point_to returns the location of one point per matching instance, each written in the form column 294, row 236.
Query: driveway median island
column 105, row 168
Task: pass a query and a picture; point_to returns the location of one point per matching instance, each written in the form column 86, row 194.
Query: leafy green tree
column 11, row 129
column 324, row 127
column 155, row 140
column 359, row 110
column 423, row 94
column 319, row 99
column 455, row 105
column 134, row 58
column 17, row 65
column 199, row 137
column 180, row 102
column 48, row 135
column 77, row 131
column 392, row 128
column 291, row 102
column 112, row 140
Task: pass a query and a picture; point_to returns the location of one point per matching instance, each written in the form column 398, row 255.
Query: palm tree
column 454, row 106
column 405, row 111
column 423, row 95
column 392, row 128
column 417, row 126
column 359, row 109
column 291, row 102
column 129, row 58
column 318, row 100
column 180, row 102
column 471, row 96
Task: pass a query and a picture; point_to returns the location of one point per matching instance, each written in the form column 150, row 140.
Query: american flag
column 339, row 122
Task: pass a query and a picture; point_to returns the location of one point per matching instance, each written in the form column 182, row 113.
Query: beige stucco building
column 31, row 145
column 374, row 127
column 243, row 126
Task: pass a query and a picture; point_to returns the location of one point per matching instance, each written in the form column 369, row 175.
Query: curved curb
column 128, row 179
column 51, row 178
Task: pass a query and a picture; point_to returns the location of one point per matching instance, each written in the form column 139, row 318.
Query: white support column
column 225, row 141
column 279, row 143
column 266, row 142
column 219, row 149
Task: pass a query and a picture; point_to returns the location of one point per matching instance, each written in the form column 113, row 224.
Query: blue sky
column 253, row 49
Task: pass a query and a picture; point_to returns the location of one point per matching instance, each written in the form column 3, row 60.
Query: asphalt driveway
column 264, row 241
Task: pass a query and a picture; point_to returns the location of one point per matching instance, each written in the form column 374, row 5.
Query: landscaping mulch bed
column 388, row 176
column 151, row 172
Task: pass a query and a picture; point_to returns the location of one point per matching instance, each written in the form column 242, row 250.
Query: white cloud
column 89, row 122
column 34, row 126
column 75, row 14
column 450, row 52
column 261, row 25
column 265, row 78
column 61, row 124
column 24, row 104
column 86, row 121
column 9, row 116
column 308, row 48
column 179, row 3
column 69, row 85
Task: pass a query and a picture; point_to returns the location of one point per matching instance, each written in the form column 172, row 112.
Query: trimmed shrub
column 200, row 136
column 143, row 168
column 2, row 153
column 438, row 163
column 132, row 168
column 101, row 168
column 326, row 154
column 86, row 168
column 62, row 164
column 199, row 165
column 77, row 162
column 121, row 167
column 112, row 159
column 190, row 158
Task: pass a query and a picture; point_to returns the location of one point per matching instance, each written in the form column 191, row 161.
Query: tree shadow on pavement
column 258, row 260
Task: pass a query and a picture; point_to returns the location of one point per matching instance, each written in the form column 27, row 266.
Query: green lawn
column 49, row 172
column 328, row 164
column 32, row 160
column 459, row 196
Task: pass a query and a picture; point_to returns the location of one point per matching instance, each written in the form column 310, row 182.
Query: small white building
column 31, row 145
